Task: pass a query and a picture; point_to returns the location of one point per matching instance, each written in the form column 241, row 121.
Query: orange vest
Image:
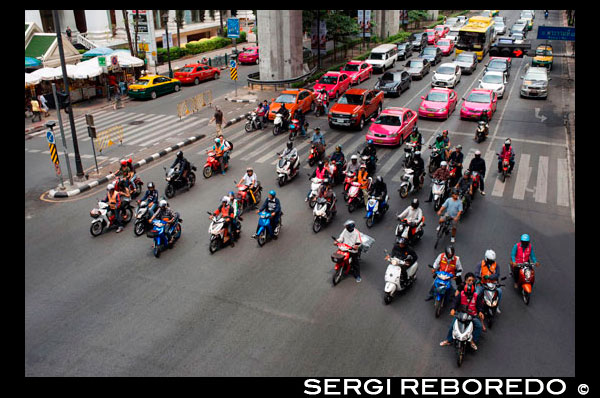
column 487, row 271
column 362, row 179
column 446, row 266
column 114, row 199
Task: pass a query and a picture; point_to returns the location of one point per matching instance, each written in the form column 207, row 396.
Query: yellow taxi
column 151, row 86
column 543, row 57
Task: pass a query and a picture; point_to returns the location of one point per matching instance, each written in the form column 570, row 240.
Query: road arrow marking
column 537, row 115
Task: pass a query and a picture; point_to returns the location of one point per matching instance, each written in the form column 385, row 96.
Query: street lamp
column 165, row 19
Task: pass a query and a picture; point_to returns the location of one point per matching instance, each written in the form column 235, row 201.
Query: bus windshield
column 470, row 41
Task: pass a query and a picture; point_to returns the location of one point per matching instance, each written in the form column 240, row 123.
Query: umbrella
column 31, row 80
column 95, row 52
column 32, row 62
column 126, row 60
column 87, row 69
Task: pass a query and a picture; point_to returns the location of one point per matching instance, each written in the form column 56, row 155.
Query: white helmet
column 443, row 163
column 109, row 187
column 490, row 255
column 162, row 203
column 225, row 199
column 353, row 157
column 478, row 153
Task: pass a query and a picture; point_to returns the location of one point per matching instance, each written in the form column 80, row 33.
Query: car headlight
column 354, row 115
column 441, row 110
column 422, row 108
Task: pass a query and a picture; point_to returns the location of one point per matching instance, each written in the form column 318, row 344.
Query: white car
column 453, row 34
column 495, row 81
column 447, row 75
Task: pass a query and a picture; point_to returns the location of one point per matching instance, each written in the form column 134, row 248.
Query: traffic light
column 63, row 100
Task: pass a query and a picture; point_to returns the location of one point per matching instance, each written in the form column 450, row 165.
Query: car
column 532, row 12
column 447, row 75
column 495, row 81
column 336, row 83
column 528, row 17
column 519, row 28
column 358, row 71
column 500, row 28
column 418, row 67
column 452, row 21
column 392, row 126
column 446, row 46
column 439, row 103
column 405, row 50
column 355, row 107
column 432, row 54
column 518, row 37
column 467, row 62
column 535, row 83
column 479, row 101
column 432, row 36
column 419, row 42
column 195, row 73
column 498, row 19
column 501, row 64
column 462, row 20
column 151, row 86
column 543, row 56
column 383, row 57
column 442, row 30
column 394, row 82
column 293, row 99
column 249, row 55
column 453, row 34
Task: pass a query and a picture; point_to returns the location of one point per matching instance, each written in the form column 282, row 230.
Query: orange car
column 293, row 99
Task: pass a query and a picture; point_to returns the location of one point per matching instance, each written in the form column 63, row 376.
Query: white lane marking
column 498, row 187
column 147, row 130
column 264, row 148
column 523, row 174
column 490, row 163
column 501, row 138
column 562, row 195
column 391, row 162
column 33, row 150
column 195, row 124
column 130, row 132
column 541, row 187
column 246, row 138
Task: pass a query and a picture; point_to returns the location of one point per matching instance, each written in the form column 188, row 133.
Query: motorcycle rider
column 370, row 151
column 351, row 237
column 446, row 140
column 219, row 150
column 184, row 166
column 291, row 154
column 285, row 113
column 236, row 206
column 131, row 174
column 484, row 118
column 379, row 190
column 507, row 152
column 442, row 173
column 152, row 196
column 478, row 164
column 457, row 158
column 164, row 211
column 450, row 263
column 329, row 195
column 416, row 137
column 113, row 198
column 418, row 166
column 299, row 115
column 465, row 184
column 273, row 206
column 403, row 251
column 322, row 94
column 453, row 208
column 265, row 117
column 414, row 216
column 321, row 172
column 488, row 271
column 362, row 177
column 352, row 166
column 472, row 302
column 260, row 116
column 522, row 252
column 318, row 140
column 250, row 181
column 226, row 211
column 338, row 156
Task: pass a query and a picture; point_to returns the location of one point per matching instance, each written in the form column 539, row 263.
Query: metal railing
column 253, row 79
column 85, row 42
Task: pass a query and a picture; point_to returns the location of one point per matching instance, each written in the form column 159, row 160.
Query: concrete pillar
column 387, row 22
column 120, row 31
column 34, row 16
column 98, row 24
column 67, row 18
column 280, row 43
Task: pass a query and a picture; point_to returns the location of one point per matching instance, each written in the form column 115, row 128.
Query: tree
column 179, row 18
column 126, row 22
column 340, row 27
column 221, row 32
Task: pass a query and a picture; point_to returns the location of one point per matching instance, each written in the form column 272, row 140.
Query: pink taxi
column 358, row 71
column 392, row 126
column 336, row 83
column 446, row 45
column 249, row 55
column 439, row 103
column 479, row 101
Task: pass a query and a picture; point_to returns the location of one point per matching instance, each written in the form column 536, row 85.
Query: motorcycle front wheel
column 317, row 225
column 170, row 191
column 281, row 181
column 403, row 191
column 276, row 130
column 262, row 238
column 139, row 228
column 337, row 276
column 96, row 228
column 156, row 250
column 387, row 298
column 248, row 127
column 207, row 172
column 192, row 179
column 432, row 167
column 214, row 244
column 437, row 204
column 370, row 221
column 351, row 207
column 460, row 353
column 525, row 296
column 438, row 308
column 312, row 202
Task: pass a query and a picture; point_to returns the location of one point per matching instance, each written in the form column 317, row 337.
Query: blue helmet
column 370, row 142
column 231, row 193
column 524, row 238
column 272, row 193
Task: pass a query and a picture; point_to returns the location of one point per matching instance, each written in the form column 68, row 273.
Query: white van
column 383, row 57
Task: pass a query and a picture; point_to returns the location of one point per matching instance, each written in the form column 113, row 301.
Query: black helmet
column 290, row 144
column 449, row 252
column 349, row 225
column 439, row 137
column 379, row 179
column 179, row 155
column 150, row 185
column 320, row 164
column 417, row 154
column 415, row 203
column 415, row 129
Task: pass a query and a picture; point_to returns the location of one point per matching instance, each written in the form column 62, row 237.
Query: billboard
column 322, row 31
column 364, row 22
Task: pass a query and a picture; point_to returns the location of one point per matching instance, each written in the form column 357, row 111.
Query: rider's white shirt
column 249, row 180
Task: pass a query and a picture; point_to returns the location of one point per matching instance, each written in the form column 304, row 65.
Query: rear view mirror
column 422, row 97
column 373, row 119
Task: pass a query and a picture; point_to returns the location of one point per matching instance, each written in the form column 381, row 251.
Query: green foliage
column 398, row 38
column 417, row 15
column 242, row 37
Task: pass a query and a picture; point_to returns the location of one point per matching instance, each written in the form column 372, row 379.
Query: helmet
column 353, row 157
column 225, row 199
column 162, row 203
column 467, row 173
column 129, row 160
column 231, row 193
column 402, row 241
column 418, row 154
column 110, row 187
column 349, row 225
column 379, row 179
column 150, row 185
column 217, row 140
column 290, row 144
column 459, row 146
column 249, row 169
column 320, row 163
column 326, row 181
column 414, row 203
column 445, row 131
column 469, row 289
column 508, row 141
column 439, row 137
column 123, row 162
column 449, row 251
column 362, row 165
column 369, row 142
column 525, row 238
column 415, row 129
column 477, row 153
column 490, row 255
column 179, row 155
column 444, row 163
column 272, row 193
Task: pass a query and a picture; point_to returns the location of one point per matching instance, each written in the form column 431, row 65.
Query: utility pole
column 166, row 22
column 318, row 39
column 62, row 133
column 69, row 109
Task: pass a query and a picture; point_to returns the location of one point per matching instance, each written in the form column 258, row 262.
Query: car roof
column 418, row 59
column 355, row 62
column 452, row 64
column 293, row 91
column 394, row 110
column 192, row 65
column 331, row 73
column 493, row 72
column 544, row 47
column 355, row 91
column 481, row 90
column 441, row 89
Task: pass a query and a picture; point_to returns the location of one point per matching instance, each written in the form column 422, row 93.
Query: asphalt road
column 106, row 307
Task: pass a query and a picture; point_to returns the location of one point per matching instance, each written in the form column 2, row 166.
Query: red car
column 355, row 107
column 195, row 73
column 358, row 71
column 442, row 30
column 479, row 101
column 249, row 55
column 439, row 103
column 432, row 36
column 392, row 126
column 446, row 45
column 336, row 83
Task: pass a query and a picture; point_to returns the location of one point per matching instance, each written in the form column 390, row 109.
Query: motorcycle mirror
column 333, row 237
column 209, row 213
column 503, row 278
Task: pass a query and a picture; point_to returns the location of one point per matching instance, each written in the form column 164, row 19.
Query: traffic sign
column 556, row 33
column 233, row 28
column 53, row 153
column 50, row 137
column 101, row 61
column 234, row 74
column 232, row 63
column 114, row 61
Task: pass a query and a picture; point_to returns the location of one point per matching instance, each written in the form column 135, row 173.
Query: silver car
column 535, row 82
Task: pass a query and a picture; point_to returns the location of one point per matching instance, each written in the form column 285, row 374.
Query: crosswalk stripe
column 255, row 141
column 129, row 130
column 264, row 148
column 523, row 174
column 541, row 188
column 490, row 166
column 166, row 134
column 132, row 134
column 391, row 162
column 81, row 128
column 498, row 187
column 562, row 195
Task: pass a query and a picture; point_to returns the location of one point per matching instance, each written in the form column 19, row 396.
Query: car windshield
column 418, row 36
column 389, row 120
column 351, row 99
column 430, row 33
column 540, row 51
column 286, row 99
column 446, row 70
column 249, row 52
column 376, row 56
column 497, row 64
column 535, row 76
column 494, row 79
column 443, row 43
column 518, row 35
column 187, row 69
column 500, row 24
column 439, row 29
column 142, row 82
column 351, row 68
column 464, row 58
column 402, row 46
column 328, row 80
column 429, row 51
column 482, row 98
column 416, row 64
column 451, row 21
column 526, row 15
column 436, row 96
column 391, row 77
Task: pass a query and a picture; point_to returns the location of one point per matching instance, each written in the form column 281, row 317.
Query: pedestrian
column 43, row 105
column 123, row 87
column 35, row 108
column 68, row 32
column 218, row 118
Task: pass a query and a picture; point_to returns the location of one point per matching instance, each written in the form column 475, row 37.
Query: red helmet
column 129, row 161
column 123, row 162
column 469, row 290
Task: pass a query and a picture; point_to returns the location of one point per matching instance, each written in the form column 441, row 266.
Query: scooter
column 466, row 203
column 334, row 171
column 475, row 177
column 213, row 164
column 525, row 278
column 158, row 233
column 393, row 277
column 454, row 174
column 245, row 196
column 355, row 197
column 101, row 221
column 349, row 178
column 175, row 181
column 323, row 213
column 142, row 215
column 264, row 221
column 254, row 122
column 285, row 170
column 376, row 209
column 315, row 190
column 545, row 14
column 295, row 129
column 314, row 155
column 341, row 257
column 438, row 188
column 442, row 289
column 409, row 153
column 482, row 131
column 403, row 228
column 219, row 234
column 320, row 107
column 370, row 162
column 407, row 186
column 435, row 158
column 505, row 167
column 462, row 333
column 490, row 300
column 278, row 125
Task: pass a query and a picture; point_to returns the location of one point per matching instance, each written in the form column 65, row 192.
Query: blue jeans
column 479, row 291
column 151, row 210
column 476, row 330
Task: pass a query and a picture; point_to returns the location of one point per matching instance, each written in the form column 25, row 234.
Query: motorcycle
column 285, row 170
column 341, row 257
column 442, row 289
column 505, row 167
column 375, row 209
column 454, row 174
column 334, row 171
column 545, row 14
column 444, row 230
column 315, row 190
column 314, row 155
column 403, row 228
column 464, row 197
column 322, row 213
column 101, row 220
column 295, row 129
column 355, row 197
column 438, row 188
column 475, row 177
column 320, row 107
column 348, row 183
column 175, row 181
column 393, row 277
column 490, row 300
column 409, row 153
column 278, row 124
column 525, row 279
column 482, row 131
column 213, row 164
column 254, row 122
column 462, row 332
column 264, row 221
column 406, row 186
column 370, row 162
column 245, row 196
column 142, row 215
column 159, row 234
column 219, row 234
column 435, row 158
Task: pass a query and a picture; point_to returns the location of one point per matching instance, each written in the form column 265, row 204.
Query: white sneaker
column 438, row 228
column 452, row 240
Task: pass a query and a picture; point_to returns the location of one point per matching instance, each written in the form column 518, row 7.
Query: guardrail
column 253, row 80
column 194, row 104
column 108, row 137
column 85, row 42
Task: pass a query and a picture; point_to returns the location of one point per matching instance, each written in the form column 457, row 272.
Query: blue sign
column 232, row 63
column 50, row 137
column 556, row 33
column 233, row 27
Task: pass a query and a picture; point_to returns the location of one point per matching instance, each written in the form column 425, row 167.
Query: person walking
column 35, row 108
column 218, row 118
column 43, row 104
column 68, row 32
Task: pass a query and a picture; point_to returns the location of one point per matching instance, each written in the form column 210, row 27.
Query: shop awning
column 31, row 80
column 126, row 60
column 54, row 73
column 96, row 52
column 87, row 69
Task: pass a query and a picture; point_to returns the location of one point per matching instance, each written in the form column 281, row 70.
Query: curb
column 53, row 193
column 234, row 100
